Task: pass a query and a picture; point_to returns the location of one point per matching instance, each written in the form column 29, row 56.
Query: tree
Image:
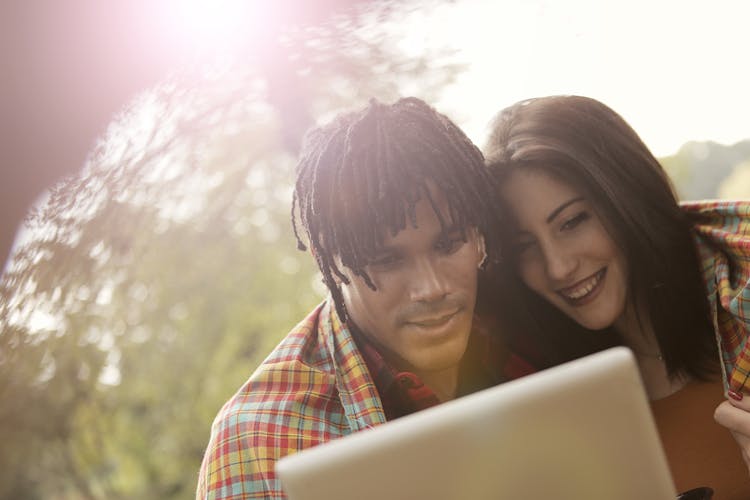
column 698, row 169
column 152, row 283
column 737, row 184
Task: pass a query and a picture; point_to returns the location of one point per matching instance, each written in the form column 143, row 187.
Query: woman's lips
column 585, row 290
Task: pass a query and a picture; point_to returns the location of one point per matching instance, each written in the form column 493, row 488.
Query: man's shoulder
column 303, row 344
column 284, row 406
column 280, row 387
column 291, row 402
column 293, row 376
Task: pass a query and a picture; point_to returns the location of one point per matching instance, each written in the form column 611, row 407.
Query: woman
column 608, row 257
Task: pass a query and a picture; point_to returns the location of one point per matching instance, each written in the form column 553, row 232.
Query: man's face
column 420, row 316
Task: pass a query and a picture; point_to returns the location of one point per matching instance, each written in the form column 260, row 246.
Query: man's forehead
column 368, row 226
column 435, row 220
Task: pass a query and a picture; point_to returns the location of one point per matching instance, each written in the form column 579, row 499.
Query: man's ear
column 481, row 251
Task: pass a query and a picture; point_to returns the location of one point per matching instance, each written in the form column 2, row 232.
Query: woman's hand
column 735, row 416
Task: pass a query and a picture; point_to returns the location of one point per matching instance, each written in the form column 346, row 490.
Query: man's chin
column 440, row 358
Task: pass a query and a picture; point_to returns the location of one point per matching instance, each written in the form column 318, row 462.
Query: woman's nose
column 560, row 263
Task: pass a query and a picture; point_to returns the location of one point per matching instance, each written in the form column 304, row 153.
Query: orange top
column 700, row 451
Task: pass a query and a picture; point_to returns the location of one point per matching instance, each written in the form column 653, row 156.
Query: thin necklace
column 656, row 355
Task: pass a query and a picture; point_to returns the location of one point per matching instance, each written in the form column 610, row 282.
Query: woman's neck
column 638, row 333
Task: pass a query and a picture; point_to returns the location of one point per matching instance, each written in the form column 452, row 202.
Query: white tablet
column 582, row 430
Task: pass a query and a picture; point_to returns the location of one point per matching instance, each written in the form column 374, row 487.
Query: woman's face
column 564, row 252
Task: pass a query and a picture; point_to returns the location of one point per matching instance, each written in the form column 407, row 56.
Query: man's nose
column 428, row 281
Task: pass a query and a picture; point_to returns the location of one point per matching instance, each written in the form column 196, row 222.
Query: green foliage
column 699, row 169
column 679, row 169
column 159, row 302
column 737, row 184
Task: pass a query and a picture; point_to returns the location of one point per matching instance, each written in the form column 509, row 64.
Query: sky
column 675, row 70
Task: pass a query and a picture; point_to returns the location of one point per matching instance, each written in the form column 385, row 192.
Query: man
column 395, row 205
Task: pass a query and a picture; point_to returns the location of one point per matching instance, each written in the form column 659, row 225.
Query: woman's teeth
column 582, row 289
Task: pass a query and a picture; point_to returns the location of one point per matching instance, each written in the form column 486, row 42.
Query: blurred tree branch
column 155, row 279
column 69, row 66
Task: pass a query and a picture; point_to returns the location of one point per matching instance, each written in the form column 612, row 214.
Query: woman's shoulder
column 716, row 207
column 720, row 224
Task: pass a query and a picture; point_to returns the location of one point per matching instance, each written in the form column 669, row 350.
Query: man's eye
column 574, row 221
column 385, row 261
column 449, row 245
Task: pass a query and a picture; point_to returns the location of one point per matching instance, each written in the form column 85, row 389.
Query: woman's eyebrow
column 562, row 207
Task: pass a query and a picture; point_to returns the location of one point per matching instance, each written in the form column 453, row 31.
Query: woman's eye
column 574, row 221
column 521, row 246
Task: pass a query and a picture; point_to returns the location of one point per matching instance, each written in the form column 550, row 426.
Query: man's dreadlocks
column 364, row 173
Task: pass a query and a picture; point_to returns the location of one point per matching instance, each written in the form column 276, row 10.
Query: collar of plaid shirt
column 486, row 363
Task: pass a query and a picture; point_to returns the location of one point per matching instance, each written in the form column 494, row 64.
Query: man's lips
column 434, row 319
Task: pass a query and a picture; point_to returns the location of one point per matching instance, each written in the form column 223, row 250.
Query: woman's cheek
column 531, row 274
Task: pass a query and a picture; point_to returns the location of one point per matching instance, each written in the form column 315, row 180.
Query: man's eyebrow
column 380, row 251
column 562, row 207
column 452, row 228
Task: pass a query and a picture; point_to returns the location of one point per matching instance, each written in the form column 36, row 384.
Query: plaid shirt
column 314, row 387
column 722, row 235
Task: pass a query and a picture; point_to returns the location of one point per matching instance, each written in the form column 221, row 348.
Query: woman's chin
column 592, row 323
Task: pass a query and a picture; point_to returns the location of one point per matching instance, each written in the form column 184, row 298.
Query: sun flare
column 206, row 26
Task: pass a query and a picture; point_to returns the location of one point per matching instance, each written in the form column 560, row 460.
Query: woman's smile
column 585, row 290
